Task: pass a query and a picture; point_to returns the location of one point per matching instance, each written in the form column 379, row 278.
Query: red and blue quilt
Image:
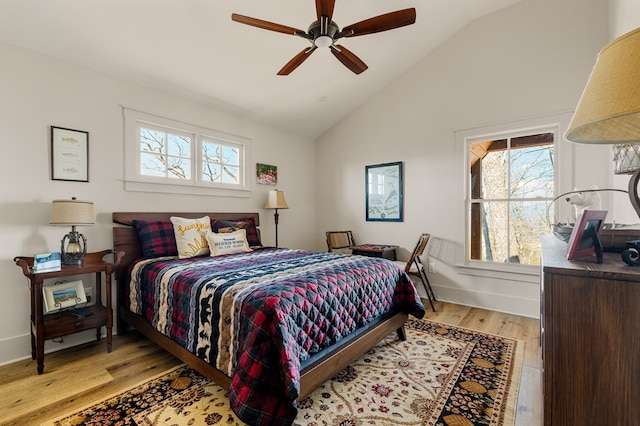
column 257, row 316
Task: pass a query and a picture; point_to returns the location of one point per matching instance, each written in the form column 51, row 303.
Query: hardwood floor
column 84, row 374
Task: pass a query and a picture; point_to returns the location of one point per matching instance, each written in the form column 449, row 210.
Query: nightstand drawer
column 61, row 324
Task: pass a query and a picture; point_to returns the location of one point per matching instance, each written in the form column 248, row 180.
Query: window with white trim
column 511, row 183
column 166, row 155
column 511, row 174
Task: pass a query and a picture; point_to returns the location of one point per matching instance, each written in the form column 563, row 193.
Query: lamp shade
column 71, row 212
column 276, row 200
column 609, row 109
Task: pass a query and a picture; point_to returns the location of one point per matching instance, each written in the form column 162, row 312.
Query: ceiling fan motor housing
column 322, row 35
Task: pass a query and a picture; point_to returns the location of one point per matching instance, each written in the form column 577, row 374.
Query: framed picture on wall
column 69, row 154
column 266, row 174
column 383, row 189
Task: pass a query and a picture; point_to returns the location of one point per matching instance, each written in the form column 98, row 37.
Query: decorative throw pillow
column 228, row 243
column 248, row 224
column 190, row 236
column 156, row 237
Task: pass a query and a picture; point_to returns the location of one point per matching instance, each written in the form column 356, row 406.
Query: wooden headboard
column 125, row 237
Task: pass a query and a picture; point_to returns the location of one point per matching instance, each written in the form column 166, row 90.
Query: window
column 165, row 155
column 511, row 183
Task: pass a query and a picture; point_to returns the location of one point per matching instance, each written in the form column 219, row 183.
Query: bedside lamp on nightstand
column 73, row 212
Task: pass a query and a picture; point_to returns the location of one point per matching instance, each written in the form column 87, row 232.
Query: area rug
column 441, row 375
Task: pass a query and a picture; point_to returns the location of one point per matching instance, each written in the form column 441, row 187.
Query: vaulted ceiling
column 193, row 49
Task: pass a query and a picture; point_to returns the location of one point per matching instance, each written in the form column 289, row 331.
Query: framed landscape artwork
column 383, row 188
column 64, row 295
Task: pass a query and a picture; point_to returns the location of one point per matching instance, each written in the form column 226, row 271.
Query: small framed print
column 266, row 174
column 584, row 240
column 69, row 154
column 63, row 295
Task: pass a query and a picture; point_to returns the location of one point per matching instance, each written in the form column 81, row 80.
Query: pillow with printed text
column 228, row 243
column 190, row 236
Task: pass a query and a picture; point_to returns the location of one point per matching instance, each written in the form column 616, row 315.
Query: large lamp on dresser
column 73, row 212
column 609, row 109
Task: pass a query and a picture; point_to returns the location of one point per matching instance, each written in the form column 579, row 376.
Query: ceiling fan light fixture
column 323, row 41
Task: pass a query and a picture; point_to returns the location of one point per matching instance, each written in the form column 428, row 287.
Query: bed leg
column 122, row 325
column 402, row 335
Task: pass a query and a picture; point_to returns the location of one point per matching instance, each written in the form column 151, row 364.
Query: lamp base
column 633, row 191
column 73, row 247
column 72, row 259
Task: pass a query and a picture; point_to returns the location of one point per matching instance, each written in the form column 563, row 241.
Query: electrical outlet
column 88, row 291
column 432, row 267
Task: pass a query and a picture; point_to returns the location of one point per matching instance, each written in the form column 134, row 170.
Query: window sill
column 522, row 273
column 183, row 189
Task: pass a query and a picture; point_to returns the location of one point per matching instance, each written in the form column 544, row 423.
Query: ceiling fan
column 324, row 33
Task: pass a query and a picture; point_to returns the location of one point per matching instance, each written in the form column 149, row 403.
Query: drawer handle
column 78, row 324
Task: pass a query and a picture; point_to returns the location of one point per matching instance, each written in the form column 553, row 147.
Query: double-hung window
column 511, row 184
column 511, row 176
column 165, row 155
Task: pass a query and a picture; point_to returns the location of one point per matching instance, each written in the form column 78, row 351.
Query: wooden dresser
column 590, row 336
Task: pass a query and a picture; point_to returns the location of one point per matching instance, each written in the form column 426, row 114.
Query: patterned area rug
column 441, row 375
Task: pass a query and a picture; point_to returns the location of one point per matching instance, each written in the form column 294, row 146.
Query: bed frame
column 333, row 361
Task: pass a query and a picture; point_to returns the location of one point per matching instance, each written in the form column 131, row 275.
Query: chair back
column 417, row 252
column 339, row 240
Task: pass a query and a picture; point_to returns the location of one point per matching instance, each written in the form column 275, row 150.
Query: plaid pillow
column 157, row 238
column 248, row 224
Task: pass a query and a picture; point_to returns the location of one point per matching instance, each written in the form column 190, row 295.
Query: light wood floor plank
column 35, row 392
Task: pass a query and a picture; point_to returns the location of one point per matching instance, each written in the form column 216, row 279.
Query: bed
column 292, row 321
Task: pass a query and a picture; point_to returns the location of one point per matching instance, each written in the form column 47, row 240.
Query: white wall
column 36, row 92
column 531, row 59
column 624, row 16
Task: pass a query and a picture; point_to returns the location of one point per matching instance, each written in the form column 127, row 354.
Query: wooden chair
column 415, row 267
column 339, row 240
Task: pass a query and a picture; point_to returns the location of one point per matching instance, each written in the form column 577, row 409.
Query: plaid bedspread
column 258, row 316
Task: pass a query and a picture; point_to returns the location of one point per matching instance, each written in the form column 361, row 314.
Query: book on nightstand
column 46, row 262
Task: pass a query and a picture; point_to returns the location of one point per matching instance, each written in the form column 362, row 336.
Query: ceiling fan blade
column 266, row 25
column 388, row 21
column 325, row 8
column 349, row 60
column 296, row 61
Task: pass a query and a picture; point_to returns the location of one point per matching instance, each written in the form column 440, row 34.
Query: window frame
column 134, row 180
column 563, row 171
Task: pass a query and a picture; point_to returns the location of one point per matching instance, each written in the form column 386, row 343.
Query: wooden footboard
column 310, row 378
column 126, row 239
column 335, row 361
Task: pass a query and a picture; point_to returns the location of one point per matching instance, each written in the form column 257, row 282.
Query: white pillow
column 190, row 236
column 228, row 243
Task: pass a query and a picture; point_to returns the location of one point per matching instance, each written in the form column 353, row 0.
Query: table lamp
column 609, row 109
column 73, row 212
column 276, row 201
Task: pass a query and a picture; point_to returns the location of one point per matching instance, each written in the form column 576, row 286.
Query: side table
column 58, row 324
column 375, row 250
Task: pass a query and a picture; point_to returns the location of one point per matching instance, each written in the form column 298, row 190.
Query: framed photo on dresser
column 584, row 240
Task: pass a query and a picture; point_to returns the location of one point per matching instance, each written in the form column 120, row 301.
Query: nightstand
column 375, row 250
column 61, row 323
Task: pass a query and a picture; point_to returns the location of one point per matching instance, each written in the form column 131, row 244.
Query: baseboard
column 18, row 348
column 507, row 304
